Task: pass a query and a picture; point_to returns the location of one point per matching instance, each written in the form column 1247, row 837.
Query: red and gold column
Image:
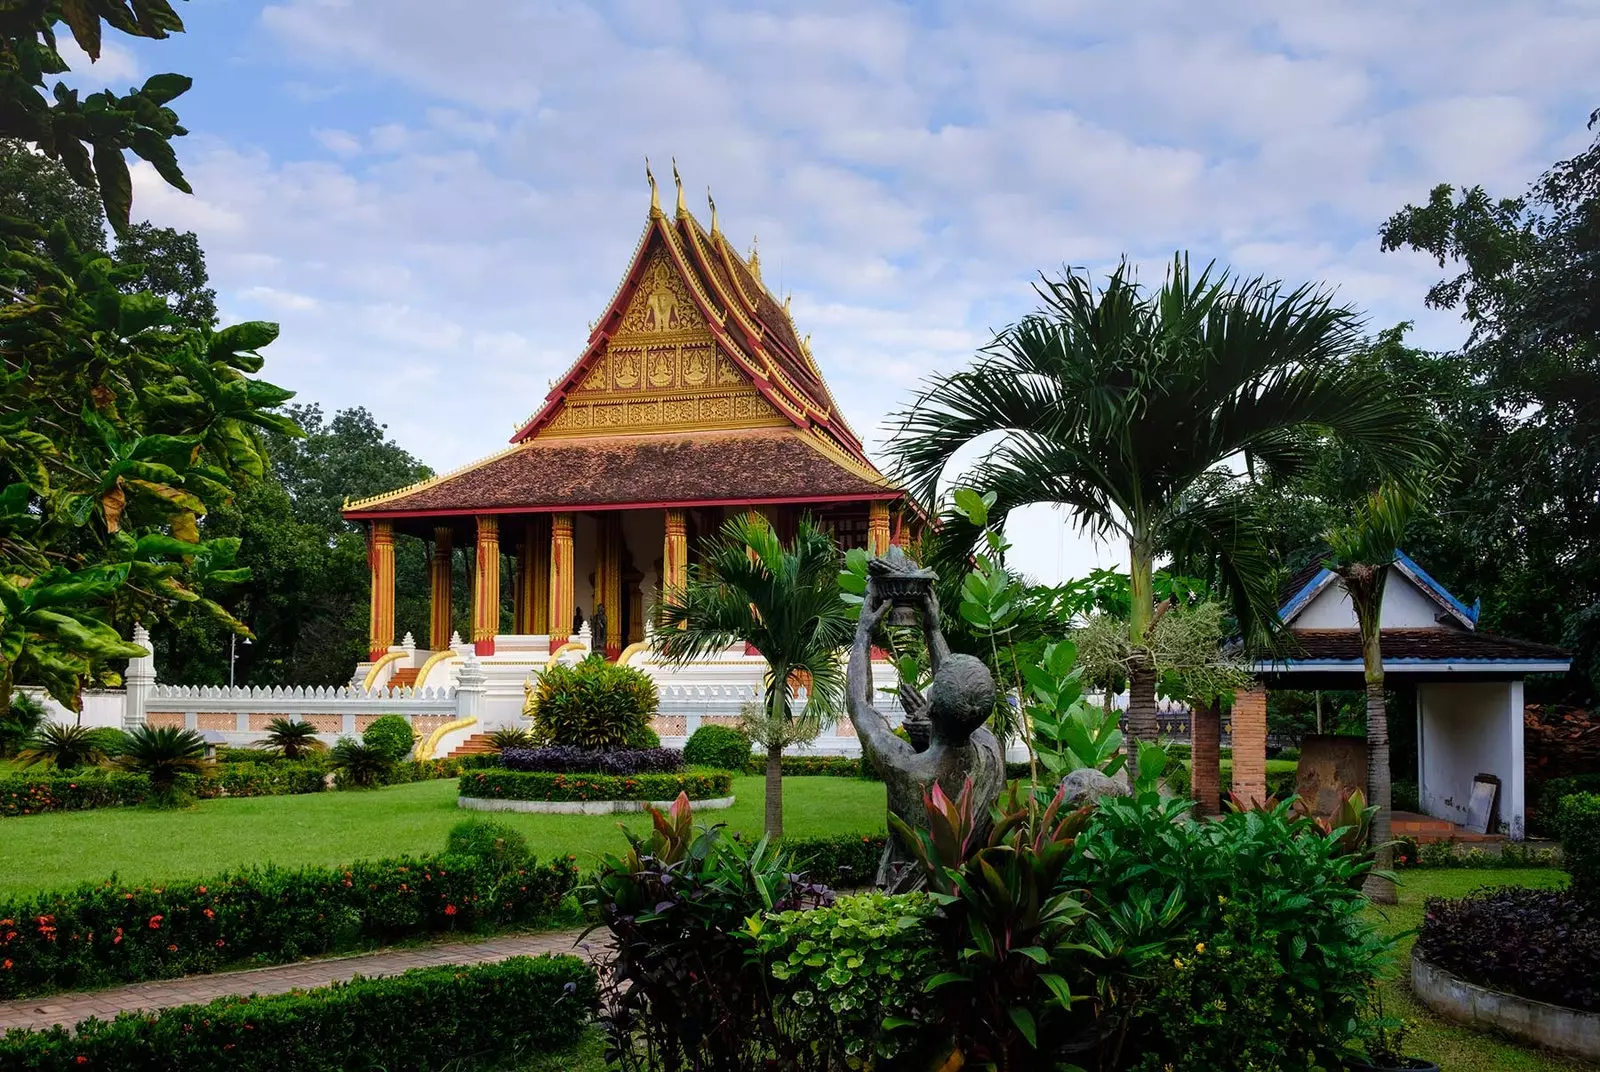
column 535, row 570
column 675, row 553
column 486, row 587
column 380, row 559
column 439, row 590
column 563, row 580
column 878, row 528
column 608, row 569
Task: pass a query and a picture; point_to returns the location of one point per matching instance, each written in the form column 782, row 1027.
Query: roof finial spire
column 683, row 209
column 655, row 199
column 713, row 203
column 755, row 257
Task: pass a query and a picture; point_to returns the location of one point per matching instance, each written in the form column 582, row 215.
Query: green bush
column 844, row 862
column 1403, row 796
column 816, row 767
column 99, row 935
column 247, row 755
column 700, row 783
column 644, row 737
column 430, row 770
column 254, row 779
column 1449, row 854
column 445, row 1017
column 392, row 735
column 358, row 765
column 494, row 843
column 852, row 975
column 1550, row 794
column 1578, row 821
column 34, row 794
column 593, row 704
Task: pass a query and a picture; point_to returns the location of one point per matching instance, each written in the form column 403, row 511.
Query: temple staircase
column 476, row 745
column 404, row 678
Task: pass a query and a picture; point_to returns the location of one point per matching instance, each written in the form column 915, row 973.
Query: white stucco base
column 1569, row 1031
column 1465, row 729
column 584, row 807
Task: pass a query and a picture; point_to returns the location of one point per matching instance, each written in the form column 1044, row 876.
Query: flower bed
column 35, row 794
column 112, row 933
column 698, row 783
column 449, row 1016
column 1539, row 944
column 567, row 759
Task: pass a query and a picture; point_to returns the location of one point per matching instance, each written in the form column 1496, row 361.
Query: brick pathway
column 71, row 1007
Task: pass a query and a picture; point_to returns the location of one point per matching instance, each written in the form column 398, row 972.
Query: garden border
column 583, row 807
column 1574, row 1032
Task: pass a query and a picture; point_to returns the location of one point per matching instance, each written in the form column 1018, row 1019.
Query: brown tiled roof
column 779, row 464
column 1400, row 645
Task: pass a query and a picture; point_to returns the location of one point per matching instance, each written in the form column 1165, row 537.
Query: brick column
column 535, row 571
column 563, row 583
column 486, row 587
column 608, row 580
column 439, row 590
column 878, row 528
column 1250, row 744
column 380, row 560
column 1206, row 780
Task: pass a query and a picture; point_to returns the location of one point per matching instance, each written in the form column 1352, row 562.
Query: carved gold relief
column 727, row 371
column 696, row 365
column 724, row 410
column 663, row 365
column 661, row 304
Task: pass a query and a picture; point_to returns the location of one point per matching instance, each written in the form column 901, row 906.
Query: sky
column 435, row 200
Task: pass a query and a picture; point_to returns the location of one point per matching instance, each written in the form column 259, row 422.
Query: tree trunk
column 1142, row 675
column 1380, row 791
column 1141, row 714
column 775, row 791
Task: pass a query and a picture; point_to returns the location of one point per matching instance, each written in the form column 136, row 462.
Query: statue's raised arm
column 872, row 729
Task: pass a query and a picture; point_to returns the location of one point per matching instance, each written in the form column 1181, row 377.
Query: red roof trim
column 888, row 494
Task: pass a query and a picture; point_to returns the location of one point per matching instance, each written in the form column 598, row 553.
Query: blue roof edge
column 1468, row 614
column 1298, row 601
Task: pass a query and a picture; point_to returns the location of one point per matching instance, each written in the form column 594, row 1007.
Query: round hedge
column 392, row 735
column 644, row 737
column 717, row 746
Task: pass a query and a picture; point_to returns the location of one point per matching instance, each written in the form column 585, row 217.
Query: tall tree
column 782, row 601
column 1124, row 405
column 1526, row 280
column 1362, row 550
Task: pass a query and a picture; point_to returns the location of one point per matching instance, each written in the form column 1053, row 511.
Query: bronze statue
column 577, row 621
column 959, row 701
column 597, row 629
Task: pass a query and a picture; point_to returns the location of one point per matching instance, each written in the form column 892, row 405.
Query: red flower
column 80, row 1060
column 172, row 948
column 118, row 938
column 220, row 943
column 155, row 923
column 449, row 909
column 210, row 914
column 5, row 965
column 202, row 889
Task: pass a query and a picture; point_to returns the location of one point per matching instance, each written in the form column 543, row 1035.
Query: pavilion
column 694, row 396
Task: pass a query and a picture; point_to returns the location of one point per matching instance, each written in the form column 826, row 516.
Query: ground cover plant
column 496, row 784
column 567, row 759
column 1539, row 944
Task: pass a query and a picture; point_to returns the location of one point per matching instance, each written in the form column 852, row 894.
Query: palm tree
column 1130, row 409
column 783, row 602
column 1361, row 552
column 67, row 747
column 162, row 753
column 293, row 738
column 363, row 765
column 19, row 723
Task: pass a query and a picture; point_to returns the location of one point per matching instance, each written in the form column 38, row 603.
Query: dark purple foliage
column 1540, row 944
column 568, row 759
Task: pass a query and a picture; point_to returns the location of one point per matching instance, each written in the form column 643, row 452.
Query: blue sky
column 435, row 207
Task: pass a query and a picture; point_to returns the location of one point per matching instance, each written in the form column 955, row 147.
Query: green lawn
column 140, row 844
column 1455, row 1048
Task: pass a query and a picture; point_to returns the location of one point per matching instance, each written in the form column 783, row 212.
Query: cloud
column 116, row 69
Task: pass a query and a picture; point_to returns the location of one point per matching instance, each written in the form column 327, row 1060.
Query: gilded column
column 486, row 587
column 609, row 580
column 675, row 553
column 439, row 584
column 380, row 559
column 535, row 570
column 563, row 582
column 878, row 528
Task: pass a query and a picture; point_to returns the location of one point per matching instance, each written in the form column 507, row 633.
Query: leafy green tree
column 172, row 267
column 1124, row 406
column 782, row 601
column 1362, row 552
column 89, row 135
column 37, row 189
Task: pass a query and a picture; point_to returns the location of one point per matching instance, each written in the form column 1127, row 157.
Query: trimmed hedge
column 847, row 861
column 699, row 783
column 261, row 780
column 98, row 935
column 815, row 767
column 565, row 759
column 426, row 1018
column 35, row 794
column 718, row 746
column 1578, row 822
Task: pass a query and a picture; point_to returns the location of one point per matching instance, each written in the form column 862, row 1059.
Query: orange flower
column 172, row 948
column 5, row 965
column 210, row 914
column 449, row 909
column 155, row 923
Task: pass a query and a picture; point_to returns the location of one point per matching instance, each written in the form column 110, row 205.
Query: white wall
column 1404, row 607
column 1463, row 730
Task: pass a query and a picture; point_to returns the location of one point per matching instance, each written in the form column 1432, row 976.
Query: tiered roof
column 694, row 388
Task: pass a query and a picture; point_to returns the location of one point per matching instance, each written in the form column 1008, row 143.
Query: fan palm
column 67, row 747
column 162, row 753
column 1361, row 552
column 19, row 723
column 783, row 602
column 1129, row 407
column 293, row 738
column 362, row 765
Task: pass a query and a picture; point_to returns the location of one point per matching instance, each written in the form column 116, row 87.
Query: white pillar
column 1514, row 789
column 138, row 681
column 471, row 689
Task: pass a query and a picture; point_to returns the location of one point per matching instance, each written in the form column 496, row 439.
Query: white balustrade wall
column 685, row 708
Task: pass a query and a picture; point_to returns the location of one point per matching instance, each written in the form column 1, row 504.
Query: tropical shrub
column 719, row 746
column 593, row 704
column 293, row 738
column 495, row 844
column 34, row 794
column 684, row 989
column 1539, row 944
column 1578, row 822
column 1551, row 792
column 19, row 722
column 1445, row 854
column 429, row 770
column 511, row 737
column 67, row 747
column 852, row 976
column 644, row 737
column 460, row 1017
column 566, row 759
column 392, row 735
column 162, row 753
column 697, row 783
column 97, row 935
column 359, row 765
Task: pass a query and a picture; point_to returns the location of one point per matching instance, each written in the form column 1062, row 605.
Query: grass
column 139, row 844
column 1448, row 1045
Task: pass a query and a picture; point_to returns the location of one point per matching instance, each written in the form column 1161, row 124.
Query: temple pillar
column 1249, row 724
column 380, row 560
column 486, row 586
column 439, row 585
column 535, row 571
column 878, row 528
column 563, row 580
column 608, row 580
column 675, row 552
column 1205, row 731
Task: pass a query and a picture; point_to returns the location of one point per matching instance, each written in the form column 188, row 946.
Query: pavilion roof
column 1418, row 648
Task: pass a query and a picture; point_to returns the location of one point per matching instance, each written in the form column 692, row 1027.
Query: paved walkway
column 69, row 1008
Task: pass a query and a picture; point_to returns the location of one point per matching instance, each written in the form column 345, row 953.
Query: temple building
column 694, row 396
